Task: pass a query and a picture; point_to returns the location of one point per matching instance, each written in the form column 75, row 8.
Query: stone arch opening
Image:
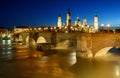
column 20, row 38
column 41, row 39
column 103, row 51
column 115, row 50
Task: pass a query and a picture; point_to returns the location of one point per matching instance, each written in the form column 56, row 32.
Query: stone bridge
column 81, row 42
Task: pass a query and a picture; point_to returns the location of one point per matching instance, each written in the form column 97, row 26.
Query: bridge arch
column 20, row 38
column 103, row 51
column 41, row 39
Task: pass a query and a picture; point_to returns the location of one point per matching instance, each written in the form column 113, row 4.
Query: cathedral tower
column 68, row 20
column 77, row 22
column 96, row 22
column 59, row 21
column 84, row 21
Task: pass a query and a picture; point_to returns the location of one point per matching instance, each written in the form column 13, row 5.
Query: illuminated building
column 78, row 26
column 59, row 21
column 77, row 22
column 96, row 23
column 68, row 20
column 84, row 21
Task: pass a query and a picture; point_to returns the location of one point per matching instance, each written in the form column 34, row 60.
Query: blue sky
column 45, row 12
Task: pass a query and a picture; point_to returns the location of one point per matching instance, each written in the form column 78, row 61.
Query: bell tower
column 68, row 20
column 59, row 20
column 84, row 21
column 96, row 22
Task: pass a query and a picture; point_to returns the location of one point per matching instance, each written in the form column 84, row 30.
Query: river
column 18, row 63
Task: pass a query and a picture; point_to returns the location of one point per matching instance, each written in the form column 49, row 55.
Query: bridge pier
column 83, row 49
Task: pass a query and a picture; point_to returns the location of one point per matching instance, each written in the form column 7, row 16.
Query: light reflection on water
column 59, row 64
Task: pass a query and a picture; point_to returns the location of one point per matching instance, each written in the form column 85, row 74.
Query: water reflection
column 56, row 64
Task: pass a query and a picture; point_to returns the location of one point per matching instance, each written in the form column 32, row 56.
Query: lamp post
column 108, row 28
column 102, row 25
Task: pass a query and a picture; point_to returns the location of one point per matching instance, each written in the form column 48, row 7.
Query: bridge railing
column 70, row 29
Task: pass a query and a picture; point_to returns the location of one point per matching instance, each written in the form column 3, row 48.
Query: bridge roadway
column 82, row 42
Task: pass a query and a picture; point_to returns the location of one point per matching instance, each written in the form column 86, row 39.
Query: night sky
column 45, row 12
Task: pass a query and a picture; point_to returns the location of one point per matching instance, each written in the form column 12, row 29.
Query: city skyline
column 45, row 12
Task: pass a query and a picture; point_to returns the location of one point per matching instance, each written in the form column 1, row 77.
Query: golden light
column 65, row 27
column 71, row 27
column 82, row 26
column 30, row 28
column 60, row 27
column 51, row 28
column 46, row 28
column 54, row 27
column 34, row 28
column 39, row 28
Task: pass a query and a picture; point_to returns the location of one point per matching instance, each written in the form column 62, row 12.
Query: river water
column 18, row 63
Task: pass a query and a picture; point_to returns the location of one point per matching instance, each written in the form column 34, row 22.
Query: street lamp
column 108, row 27
column 102, row 25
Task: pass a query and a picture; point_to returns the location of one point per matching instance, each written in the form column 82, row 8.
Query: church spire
column 84, row 21
column 96, row 22
column 96, row 14
column 68, row 20
column 59, row 20
column 68, row 10
column 59, row 14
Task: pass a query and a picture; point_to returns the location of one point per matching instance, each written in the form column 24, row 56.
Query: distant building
column 68, row 20
column 59, row 21
column 77, row 22
column 20, row 28
column 78, row 26
column 96, row 23
column 84, row 21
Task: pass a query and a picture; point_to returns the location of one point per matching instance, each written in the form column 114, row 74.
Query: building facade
column 59, row 21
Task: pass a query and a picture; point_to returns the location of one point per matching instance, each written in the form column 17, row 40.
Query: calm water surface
column 57, row 64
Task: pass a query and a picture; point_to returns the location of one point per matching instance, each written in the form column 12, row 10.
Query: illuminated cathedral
column 78, row 26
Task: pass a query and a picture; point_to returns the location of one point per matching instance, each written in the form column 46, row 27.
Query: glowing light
column 34, row 28
column 51, row 28
column 108, row 25
column 65, row 27
column 71, row 27
column 54, row 27
column 39, row 28
column 102, row 25
column 46, row 28
column 30, row 28
column 60, row 27
column 82, row 26
column 88, row 26
column 117, row 71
